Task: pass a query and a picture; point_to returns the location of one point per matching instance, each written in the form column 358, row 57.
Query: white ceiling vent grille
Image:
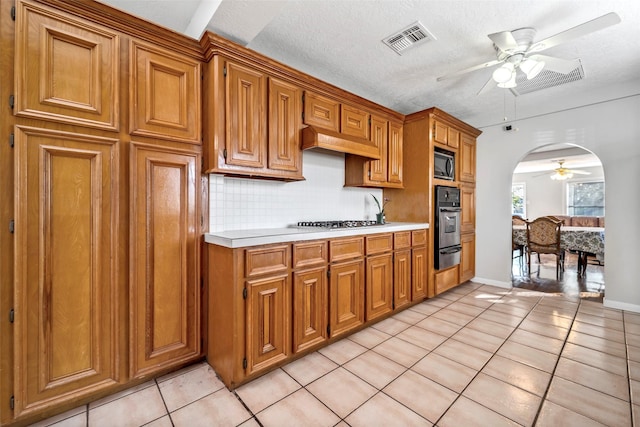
column 546, row 79
column 402, row 40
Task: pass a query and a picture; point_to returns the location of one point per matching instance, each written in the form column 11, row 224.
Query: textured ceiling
column 339, row 41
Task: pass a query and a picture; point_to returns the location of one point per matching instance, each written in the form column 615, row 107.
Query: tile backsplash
column 242, row 204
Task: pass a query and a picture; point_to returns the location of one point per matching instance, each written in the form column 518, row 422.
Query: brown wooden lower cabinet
column 310, row 294
column 419, row 265
column 401, row 278
column 346, row 297
column 379, row 275
column 467, row 257
column 446, row 279
column 268, row 321
column 269, row 304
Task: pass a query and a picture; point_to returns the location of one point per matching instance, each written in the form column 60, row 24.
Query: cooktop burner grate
column 338, row 224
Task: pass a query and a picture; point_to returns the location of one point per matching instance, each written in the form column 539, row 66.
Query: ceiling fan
column 561, row 173
column 516, row 50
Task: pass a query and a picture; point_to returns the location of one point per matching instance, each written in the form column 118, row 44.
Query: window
column 518, row 199
column 585, row 198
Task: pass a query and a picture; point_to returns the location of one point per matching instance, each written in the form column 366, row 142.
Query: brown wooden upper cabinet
column 257, row 133
column 354, row 121
column 321, row 111
column 165, row 94
column 467, row 158
column 328, row 113
column 66, row 70
column 445, row 135
column 386, row 172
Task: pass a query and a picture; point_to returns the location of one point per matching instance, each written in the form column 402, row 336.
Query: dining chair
column 517, row 248
column 543, row 237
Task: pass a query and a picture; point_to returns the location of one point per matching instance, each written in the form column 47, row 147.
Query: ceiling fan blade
column 579, row 172
column 470, row 69
column 490, row 84
column 588, row 27
column 504, row 40
column 562, row 66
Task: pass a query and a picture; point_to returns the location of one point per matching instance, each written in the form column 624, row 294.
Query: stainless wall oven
column 447, row 246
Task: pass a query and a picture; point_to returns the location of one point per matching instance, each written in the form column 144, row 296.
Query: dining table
column 583, row 240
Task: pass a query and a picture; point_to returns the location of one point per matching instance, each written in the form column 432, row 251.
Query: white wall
column 241, row 204
column 611, row 130
column 545, row 196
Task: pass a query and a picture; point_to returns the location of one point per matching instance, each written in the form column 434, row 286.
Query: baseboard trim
column 491, row 282
column 621, row 305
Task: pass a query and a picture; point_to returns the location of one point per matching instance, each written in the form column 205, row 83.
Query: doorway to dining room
column 567, row 182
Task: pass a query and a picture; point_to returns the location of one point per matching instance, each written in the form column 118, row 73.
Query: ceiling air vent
column 546, row 79
column 402, row 40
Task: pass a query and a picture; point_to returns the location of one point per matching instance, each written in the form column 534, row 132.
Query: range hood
column 315, row 137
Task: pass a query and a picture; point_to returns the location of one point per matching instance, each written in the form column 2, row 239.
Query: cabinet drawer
column 309, row 253
column 379, row 243
column 401, row 240
column 266, row 260
column 418, row 237
column 344, row 249
column 446, row 279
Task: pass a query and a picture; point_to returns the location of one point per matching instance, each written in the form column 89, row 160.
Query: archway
column 565, row 181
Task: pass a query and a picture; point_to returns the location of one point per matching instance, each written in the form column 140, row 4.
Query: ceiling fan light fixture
column 561, row 176
column 503, row 73
column 509, row 83
column 531, row 67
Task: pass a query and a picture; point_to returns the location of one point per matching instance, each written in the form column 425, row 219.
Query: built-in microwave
column 444, row 165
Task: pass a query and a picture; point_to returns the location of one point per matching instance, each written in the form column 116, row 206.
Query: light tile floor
column 474, row 356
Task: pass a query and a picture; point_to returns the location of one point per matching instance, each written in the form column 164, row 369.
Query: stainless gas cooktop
column 338, row 224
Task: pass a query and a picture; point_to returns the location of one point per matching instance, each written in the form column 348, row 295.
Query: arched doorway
column 565, row 181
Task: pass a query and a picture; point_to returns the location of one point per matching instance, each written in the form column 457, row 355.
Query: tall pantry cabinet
column 105, row 130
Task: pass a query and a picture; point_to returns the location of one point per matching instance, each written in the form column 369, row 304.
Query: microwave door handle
column 449, row 167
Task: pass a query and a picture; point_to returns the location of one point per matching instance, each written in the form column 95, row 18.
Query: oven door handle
column 450, row 210
column 452, row 250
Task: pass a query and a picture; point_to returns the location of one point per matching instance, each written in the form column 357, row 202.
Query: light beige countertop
column 244, row 238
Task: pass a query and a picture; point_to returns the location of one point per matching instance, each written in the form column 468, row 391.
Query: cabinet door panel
column 246, row 140
column 395, row 154
column 346, row 293
column 309, row 308
column 468, row 206
column 268, row 313
column 165, row 94
column 453, row 138
column 467, row 158
column 354, row 122
column 321, row 111
column 440, row 132
column 418, row 273
column 66, row 69
column 379, row 135
column 468, row 257
column 165, row 297
column 379, row 290
column 284, row 126
column 402, row 278
column 66, row 294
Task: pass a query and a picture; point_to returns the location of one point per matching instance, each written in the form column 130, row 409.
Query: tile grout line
column 486, row 363
column 555, row 367
column 624, row 330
